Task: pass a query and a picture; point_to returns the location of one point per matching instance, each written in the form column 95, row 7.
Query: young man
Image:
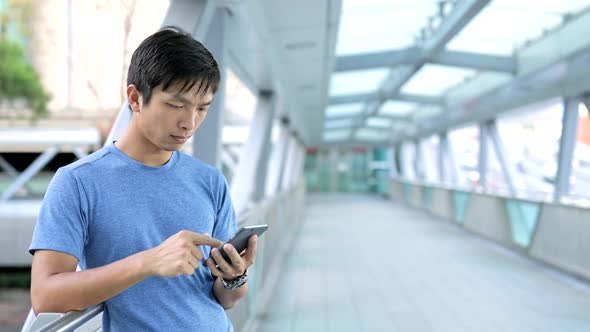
column 140, row 217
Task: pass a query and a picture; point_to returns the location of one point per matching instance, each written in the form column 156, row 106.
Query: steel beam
column 369, row 97
column 482, row 164
column 567, row 144
column 458, row 18
column 409, row 56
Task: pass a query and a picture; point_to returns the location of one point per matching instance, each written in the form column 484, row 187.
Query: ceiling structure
column 377, row 72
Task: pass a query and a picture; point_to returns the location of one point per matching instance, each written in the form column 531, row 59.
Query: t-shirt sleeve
column 62, row 224
column 225, row 223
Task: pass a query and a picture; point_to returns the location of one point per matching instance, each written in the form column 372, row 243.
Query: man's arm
column 228, row 298
column 230, row 270
column 57, row 287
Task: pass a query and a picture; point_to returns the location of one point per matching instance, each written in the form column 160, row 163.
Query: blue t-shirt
column 108, row 206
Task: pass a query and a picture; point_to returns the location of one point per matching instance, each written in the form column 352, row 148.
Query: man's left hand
column 238, row 263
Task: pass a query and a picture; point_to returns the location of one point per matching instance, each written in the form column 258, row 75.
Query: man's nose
column 188, row 122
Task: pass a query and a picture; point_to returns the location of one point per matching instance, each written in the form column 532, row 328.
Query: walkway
column 368, row 264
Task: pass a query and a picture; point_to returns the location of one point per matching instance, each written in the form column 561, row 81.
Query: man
column 139, row 216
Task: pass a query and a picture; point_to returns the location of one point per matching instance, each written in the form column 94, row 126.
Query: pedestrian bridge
column 352, row 262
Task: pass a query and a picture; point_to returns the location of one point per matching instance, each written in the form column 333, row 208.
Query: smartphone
column 240, row 238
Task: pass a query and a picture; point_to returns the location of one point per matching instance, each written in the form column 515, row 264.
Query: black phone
column 240, row 238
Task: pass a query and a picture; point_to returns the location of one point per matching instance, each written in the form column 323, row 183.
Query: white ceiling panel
column 397, row 108
column 358, row 81
column 344, row 110
column 521, row 21
column 368, row 26
column 435, row 80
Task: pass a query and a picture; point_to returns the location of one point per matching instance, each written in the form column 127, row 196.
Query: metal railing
column 71, row 321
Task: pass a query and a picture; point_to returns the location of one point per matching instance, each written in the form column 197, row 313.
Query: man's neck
column 140, row 149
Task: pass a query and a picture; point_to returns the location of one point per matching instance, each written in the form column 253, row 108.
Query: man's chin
column 171, row 147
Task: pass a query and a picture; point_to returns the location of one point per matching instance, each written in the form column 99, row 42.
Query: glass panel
column 240, row 102
column 460, row 201
column 523, row 217
column 368, row 134
column 464, row 143
column 430, row 158
column 397, row 108
column 408, row 156
column 580, row 186
column 336, row 135
column 338, row 123
column 344, row 110
column 580, row 177
column 530, row 138
column 521, row 21
column 368, row 26
column 378, row 122
column 435, row 79
column 357, row 81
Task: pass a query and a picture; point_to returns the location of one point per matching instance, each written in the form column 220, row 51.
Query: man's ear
column 134, row 97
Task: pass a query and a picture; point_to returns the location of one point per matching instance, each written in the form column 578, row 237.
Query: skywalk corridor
column 364, row 263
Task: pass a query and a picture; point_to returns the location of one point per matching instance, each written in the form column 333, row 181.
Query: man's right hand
column 179, row 254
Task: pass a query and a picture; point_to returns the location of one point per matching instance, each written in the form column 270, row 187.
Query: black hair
column 171, row 56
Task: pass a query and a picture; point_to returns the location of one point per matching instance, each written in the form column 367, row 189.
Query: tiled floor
column 368, row 264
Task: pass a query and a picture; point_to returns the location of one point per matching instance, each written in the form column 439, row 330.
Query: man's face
column 171, row 117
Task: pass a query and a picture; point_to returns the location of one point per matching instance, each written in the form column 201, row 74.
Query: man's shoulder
column 89, row 162
column 198, row 165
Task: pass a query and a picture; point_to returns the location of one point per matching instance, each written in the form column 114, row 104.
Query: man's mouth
column 180, row 139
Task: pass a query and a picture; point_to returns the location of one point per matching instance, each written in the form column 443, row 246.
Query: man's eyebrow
column 186, row 101
column 182, row 99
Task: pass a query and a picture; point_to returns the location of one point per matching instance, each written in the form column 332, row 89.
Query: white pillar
column 254, row 156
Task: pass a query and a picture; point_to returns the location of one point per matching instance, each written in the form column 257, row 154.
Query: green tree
column 18, row 78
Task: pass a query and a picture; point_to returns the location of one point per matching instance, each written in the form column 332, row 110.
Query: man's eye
column 176, row 107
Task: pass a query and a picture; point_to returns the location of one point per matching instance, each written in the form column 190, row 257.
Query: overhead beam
column 409, row 56
column 368, row 97
column 563, row 74
column 386, row 116
column 457, row 19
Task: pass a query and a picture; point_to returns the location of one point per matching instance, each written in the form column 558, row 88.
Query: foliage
column 18, row 79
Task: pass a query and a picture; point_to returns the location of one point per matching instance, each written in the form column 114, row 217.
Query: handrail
column 72, row 320
column 521, row 195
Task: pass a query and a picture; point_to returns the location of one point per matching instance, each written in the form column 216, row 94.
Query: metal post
column 567, row 144
column 207, row 139
column 442, row 147
column 483, row 156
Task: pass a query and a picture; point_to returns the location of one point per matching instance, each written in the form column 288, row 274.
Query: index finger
column 204, row 239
